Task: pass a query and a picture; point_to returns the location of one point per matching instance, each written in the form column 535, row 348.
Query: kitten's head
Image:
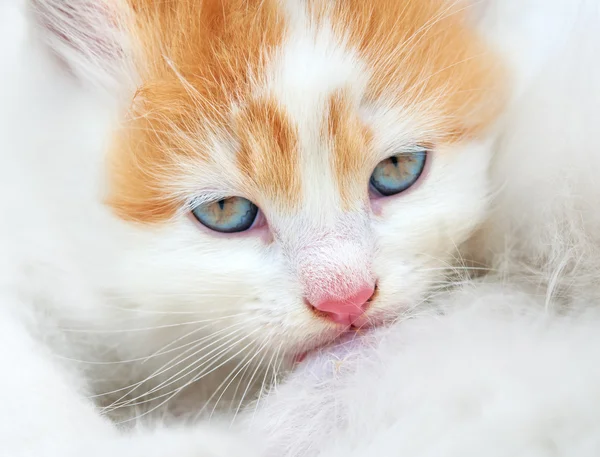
column 292, row 167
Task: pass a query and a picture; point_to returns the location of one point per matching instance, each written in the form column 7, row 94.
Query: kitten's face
column 291, row 106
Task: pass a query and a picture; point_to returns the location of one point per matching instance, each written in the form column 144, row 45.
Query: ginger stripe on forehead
column 350, row 142
column 268, row 155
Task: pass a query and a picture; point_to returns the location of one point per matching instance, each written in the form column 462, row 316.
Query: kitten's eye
column 230, row 215
column 397, row 173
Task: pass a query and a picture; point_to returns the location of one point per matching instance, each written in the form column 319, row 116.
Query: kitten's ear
column 88, row 36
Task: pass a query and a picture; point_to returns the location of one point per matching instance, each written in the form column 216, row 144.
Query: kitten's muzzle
column 348, row 309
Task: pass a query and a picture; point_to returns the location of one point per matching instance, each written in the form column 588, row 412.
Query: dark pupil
column 221, row 204
column 394, row 160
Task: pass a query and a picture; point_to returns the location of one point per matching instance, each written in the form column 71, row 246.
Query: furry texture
column 490, row 372
column 210, row 114
column 497, row 369
column 129, row 309
column 553, row 233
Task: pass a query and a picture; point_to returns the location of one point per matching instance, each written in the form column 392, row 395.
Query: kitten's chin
column 333, row 341
column 347, row 338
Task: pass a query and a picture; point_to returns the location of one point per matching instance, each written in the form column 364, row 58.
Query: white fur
column 102, row 318
column 491, row 372
column 545, row 172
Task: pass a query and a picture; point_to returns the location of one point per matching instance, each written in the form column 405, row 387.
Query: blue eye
column 397, row 173
column 230, row 215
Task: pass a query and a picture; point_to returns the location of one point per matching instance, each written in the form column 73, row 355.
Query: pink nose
column 348, row 309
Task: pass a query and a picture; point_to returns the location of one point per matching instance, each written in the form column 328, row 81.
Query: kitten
column 195, row 193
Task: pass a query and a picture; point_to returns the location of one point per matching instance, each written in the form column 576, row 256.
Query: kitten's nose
column 346, row 310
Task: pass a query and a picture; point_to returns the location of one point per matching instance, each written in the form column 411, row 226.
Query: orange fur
column 350, row 140
column 199, row 59
column 426, row 55
column 268, row 154
column 196, row 58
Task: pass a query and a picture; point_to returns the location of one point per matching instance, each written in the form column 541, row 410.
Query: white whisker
column 177, row 376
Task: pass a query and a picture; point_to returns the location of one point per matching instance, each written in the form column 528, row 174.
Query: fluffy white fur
column 490, row 372
column 98, row 316
column 545, row 213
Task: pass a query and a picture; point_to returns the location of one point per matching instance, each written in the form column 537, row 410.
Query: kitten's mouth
column 345, row 336
column 359, row 328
